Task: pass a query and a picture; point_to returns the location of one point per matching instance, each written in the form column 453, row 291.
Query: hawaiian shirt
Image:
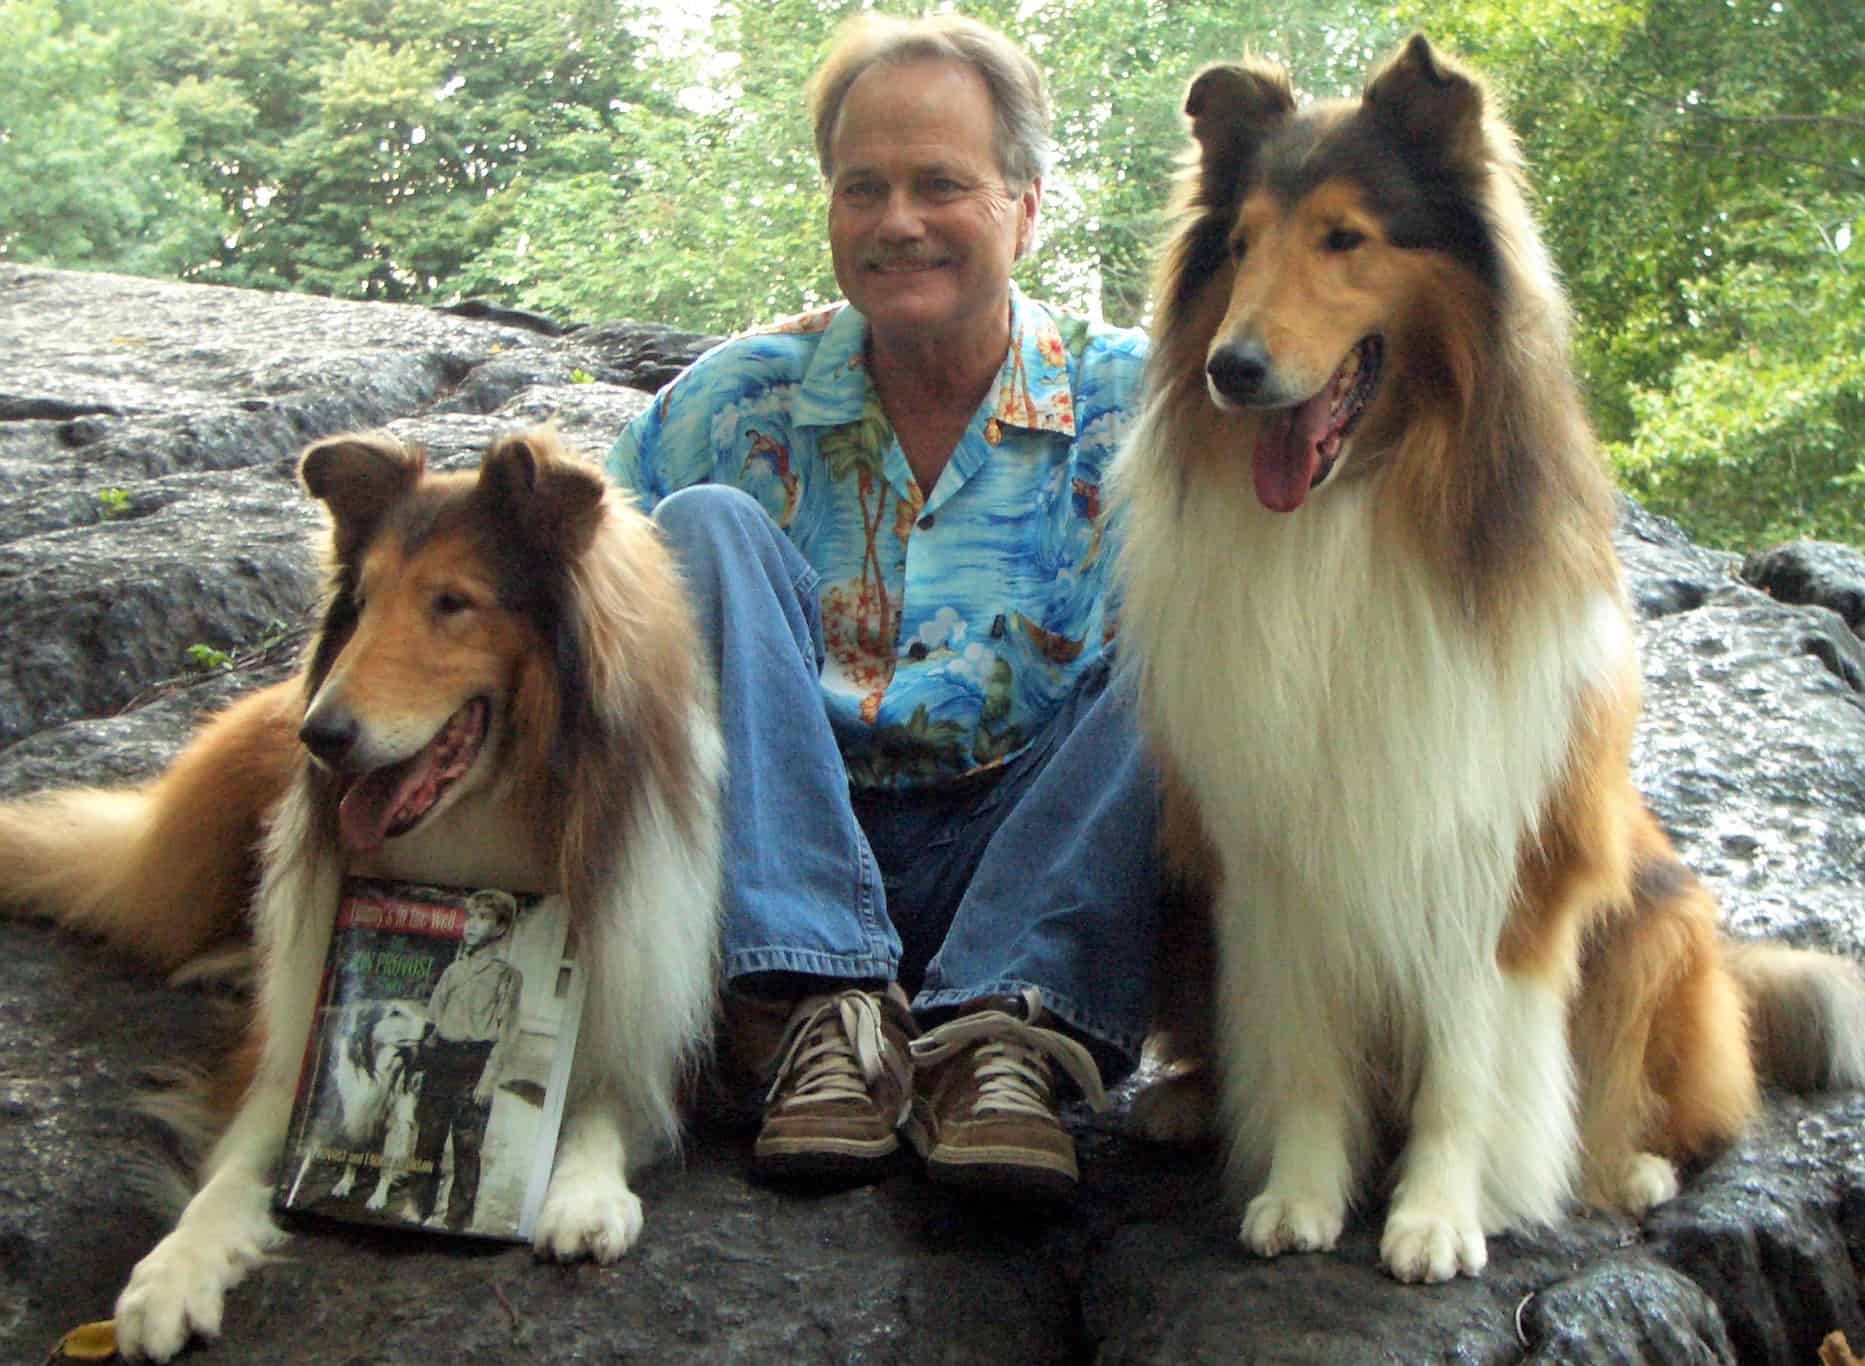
column 955, row 621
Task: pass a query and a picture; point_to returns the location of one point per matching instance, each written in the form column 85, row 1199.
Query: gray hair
column 1019, row 100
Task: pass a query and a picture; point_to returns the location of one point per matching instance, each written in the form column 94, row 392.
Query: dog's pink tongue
column 1288, row 452
column 368, row 809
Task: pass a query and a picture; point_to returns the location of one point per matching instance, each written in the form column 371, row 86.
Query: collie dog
column 1383, row 655
column 505, row 689
column 370, row 1104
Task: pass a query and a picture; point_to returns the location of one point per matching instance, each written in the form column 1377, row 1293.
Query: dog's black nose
column 328, row 732
column 1238, row 371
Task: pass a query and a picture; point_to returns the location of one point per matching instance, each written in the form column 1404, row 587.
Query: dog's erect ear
column 1231, row 106
column 1224, row 99
column 551, row 496
column 356, row 476
column 1430, row 103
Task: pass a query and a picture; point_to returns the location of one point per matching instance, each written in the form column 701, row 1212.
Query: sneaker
column 842, row 1086
column 985, row 1114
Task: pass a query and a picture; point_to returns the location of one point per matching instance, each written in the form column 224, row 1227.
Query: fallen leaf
column 1836, row 1351
column 87, row 1342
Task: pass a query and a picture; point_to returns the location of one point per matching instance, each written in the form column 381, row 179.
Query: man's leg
column 802, row 893
column 807, row 947
column 1057, row 884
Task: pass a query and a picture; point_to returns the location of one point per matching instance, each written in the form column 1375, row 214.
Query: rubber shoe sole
column 996, row 1169
column 824, row 1159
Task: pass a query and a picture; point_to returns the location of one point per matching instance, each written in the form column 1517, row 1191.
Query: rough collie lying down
column 504, row 690
column 1387, row 666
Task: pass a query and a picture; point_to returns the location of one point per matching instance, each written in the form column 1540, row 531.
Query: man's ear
column 1029, row 211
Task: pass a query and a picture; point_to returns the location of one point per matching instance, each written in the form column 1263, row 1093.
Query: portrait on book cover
column 437, row 1037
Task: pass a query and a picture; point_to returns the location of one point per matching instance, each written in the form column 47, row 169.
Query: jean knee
column 706, row 513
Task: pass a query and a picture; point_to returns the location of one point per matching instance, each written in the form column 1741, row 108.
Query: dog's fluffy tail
column 163, row 870
column 1806, row 1015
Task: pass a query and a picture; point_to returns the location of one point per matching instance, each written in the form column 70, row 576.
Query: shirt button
column 926, row 522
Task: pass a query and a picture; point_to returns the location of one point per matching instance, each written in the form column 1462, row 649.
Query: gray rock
column 146, row 505
column 1813, row 571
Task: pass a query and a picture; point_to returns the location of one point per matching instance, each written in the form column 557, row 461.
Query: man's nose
column 900, row 214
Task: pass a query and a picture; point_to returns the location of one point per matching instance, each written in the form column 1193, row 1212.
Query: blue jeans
column 1045, row 875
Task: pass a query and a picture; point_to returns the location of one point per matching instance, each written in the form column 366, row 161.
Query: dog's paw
column 594, row 1217
column 1420, row 1246
column 1645, row 1182
column 179, row 1289
column 1175, row 1110
column 345, row 1184
column 378, row 1198
column 1274, row 1224
column 174, row 1293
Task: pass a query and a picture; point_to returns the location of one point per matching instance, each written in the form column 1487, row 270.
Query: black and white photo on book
column 433, row 1083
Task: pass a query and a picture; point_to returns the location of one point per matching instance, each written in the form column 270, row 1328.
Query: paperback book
column 433, row 1082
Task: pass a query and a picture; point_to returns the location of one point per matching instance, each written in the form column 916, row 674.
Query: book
column 433, row 1083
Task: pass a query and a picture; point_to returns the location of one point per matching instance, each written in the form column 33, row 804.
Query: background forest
column 1698, row 164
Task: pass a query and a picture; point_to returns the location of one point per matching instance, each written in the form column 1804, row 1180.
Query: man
column 930, row 781
column 473, row 1018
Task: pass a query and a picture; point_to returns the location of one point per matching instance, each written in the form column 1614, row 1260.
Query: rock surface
column 147, row 507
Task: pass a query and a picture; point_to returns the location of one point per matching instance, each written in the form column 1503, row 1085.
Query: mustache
column 901, row 260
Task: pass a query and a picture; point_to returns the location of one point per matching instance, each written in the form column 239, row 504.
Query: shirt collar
column 1031, row 390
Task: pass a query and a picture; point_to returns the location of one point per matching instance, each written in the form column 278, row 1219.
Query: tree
column 82, row 181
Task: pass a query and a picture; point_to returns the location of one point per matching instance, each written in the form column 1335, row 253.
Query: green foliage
column 89, row 174
column 205, row 658
column 1757, row 437
column 113, row 503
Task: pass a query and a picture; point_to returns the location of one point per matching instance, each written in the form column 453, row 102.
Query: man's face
column 922, row 228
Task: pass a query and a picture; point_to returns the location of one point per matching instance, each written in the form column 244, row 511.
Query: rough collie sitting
column 504, row 691
column 1386, row 664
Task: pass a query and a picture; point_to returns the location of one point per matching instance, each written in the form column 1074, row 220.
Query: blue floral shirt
column 955, row 622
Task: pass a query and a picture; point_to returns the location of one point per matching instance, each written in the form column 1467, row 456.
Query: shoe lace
column 1013, row 1059
column 835, row 1051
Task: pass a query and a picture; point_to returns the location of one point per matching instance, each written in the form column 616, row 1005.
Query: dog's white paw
column 378, row 1198
column 1425, row 1246
column 1646, row 1181
column 1175, row 1110
column 179, row 1289
column 587, row 1216
column 1274, row 1224
column 345, row 1184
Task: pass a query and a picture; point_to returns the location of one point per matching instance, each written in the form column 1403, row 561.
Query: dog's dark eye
column 450, row 604
column 1238, row 247
column 1343, row 239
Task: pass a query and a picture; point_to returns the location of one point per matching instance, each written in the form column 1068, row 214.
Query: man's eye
column 860, row 189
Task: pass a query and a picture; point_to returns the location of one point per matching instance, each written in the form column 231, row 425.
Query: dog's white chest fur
column 1367, row 759
column 1365, row 756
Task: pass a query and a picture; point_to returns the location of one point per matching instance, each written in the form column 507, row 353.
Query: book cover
column 433, row 1083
